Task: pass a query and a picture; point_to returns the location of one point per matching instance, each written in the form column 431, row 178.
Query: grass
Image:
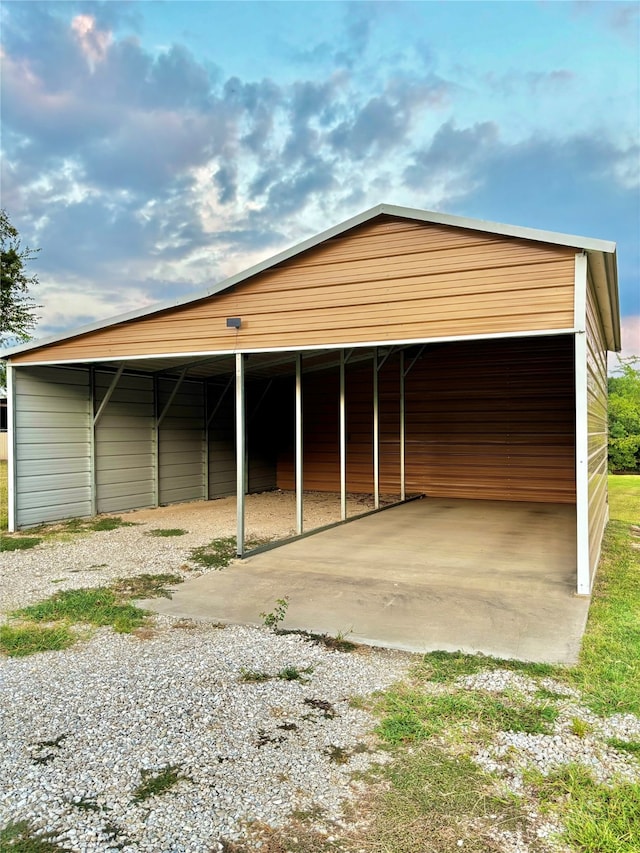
column 597, row 818
column 22, row 640
column 155, row 783
column 98, row 606
column 19, row 543
column 608, row 673
column 288, row 673
column 21, row 837
column 218, row 553
column 167, row 531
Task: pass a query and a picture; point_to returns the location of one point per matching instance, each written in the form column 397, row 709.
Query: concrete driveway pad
column 480, row 576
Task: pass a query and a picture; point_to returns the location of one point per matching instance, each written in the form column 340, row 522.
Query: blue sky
column 151, row 149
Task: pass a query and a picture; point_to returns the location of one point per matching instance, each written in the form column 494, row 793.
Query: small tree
column 624, row 416
column 17, row 306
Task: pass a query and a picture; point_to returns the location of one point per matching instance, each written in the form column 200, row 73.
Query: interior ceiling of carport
column 257, row 365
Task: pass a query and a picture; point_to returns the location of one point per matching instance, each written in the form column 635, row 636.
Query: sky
column 151, row 149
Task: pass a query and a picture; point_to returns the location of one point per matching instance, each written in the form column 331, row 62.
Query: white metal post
column 11, row 447
column 240, row 459
column 92, row 440
column 376, row 433
column 403, row 437
column 581, row 427
column 299, row 448
column 156, row 439
column 205, row 407
column 343, row 441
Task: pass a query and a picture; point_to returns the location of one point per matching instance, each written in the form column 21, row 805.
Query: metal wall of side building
column 124, row 443
column 52, row 444
column 596, row 428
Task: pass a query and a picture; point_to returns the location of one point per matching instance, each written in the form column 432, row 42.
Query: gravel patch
column 81, row 728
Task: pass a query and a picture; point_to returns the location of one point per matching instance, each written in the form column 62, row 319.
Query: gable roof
column 601, row 253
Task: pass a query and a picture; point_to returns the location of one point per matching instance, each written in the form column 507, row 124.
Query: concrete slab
column 479, row 576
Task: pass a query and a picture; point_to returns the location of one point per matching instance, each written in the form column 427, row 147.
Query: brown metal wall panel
column 389, row 279
column 490, row 420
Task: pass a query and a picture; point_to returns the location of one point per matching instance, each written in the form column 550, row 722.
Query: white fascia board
column 109, row 360
column 585, row 243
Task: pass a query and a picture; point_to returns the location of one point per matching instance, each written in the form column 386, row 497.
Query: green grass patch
column 155, row 783
column 597, row 818
column 97, row 606
column 631, row 746
column 19, row 543
column 21, row 837
column 220, row 552
column 412, row 716
column 608, row 673
column 167, row 531
column 22, row 640
column 446, row 667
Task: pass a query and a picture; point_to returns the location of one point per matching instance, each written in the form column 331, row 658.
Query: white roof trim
column 586, row 243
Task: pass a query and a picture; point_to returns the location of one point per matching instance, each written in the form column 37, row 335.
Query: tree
column 624, row 416
column 17, row 306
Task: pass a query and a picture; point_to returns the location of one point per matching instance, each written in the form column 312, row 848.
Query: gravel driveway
column 83, row 730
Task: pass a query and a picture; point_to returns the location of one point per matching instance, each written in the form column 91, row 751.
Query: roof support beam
column 107, row 396
column 414, row 359
column 220, row 399
column 172, row 396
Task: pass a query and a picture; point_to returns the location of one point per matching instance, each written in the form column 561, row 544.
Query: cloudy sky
column 151, row 149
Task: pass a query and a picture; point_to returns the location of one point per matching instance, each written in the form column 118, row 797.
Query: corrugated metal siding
column 390, row 279
column 596, row 428
column 124, row 443
column 261, row 437
column 181, row 442
column 490, row 420
column 53, row 448
column 222, row 446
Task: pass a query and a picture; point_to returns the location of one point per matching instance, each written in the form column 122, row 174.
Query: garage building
column 400, row 353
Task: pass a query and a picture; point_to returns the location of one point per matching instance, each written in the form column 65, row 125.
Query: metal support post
column 403, row 433
column 376, row 433
column 343, row 440
column 240, row 457
column 299, row 447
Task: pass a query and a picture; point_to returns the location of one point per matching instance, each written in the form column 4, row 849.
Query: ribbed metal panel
column 492, row 420
column 181, row 456
column 597, row 428
column 53, row 460
column 124, row 443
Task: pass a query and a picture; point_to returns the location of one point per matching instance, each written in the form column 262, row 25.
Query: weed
column 288, row 727
column 289, row 673
column 108, row 523
column 21, row 837
column 337, row 754
column 579, row 727
column 145, row 586
column 337, row 643
column 264, row 738
column 86, row 805
column 219, row 553
column 326, row 708
column 167, row 531
column 22, row 640
column 44, row 751
column 277, row 615
column 155, row 783
column 252, row 676
column 19, row 543
column 632, row 746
